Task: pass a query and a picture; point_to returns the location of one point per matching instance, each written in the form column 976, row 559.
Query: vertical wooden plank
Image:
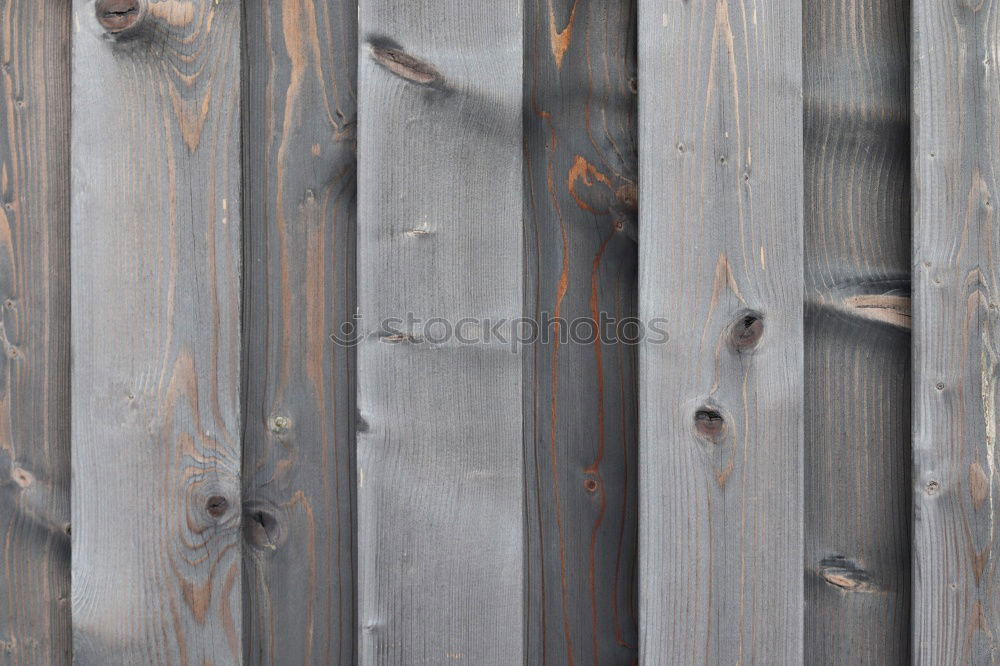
column 580, row 398
column 156, row 333
column 440, row 442
column 721, row 402
column 299, row 115
column 857, row 321
column 956, row 343
column 34, row 332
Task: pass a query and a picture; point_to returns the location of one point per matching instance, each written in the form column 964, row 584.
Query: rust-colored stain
column 560, row 39
column 585, row 172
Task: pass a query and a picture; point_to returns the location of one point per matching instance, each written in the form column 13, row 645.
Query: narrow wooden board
column 440, row 442
column 857, row 345
column 34, row 333
column 156, row 337
column 298, row 456
column 580, row 393
column 956, row 334
column 721, row 416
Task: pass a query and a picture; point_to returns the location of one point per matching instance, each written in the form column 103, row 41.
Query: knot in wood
column 216, row 506
column 119, row 15
column 404, row 65
column 745, row 333
column 710, row 424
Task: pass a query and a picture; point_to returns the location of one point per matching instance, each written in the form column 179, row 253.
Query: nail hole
column 932, row 487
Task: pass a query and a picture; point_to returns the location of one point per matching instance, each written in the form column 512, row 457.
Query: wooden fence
column 229, row 438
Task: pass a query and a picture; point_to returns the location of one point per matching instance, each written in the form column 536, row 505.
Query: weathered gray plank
column 156, row 334
column 956, row 343
column 580, row 396
column 857, row 346
column 298, row 457
column 720, row 258
column 440, row 443
column 34, row 332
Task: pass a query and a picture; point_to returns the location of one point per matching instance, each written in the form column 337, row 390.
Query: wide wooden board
column 956, row 332
column 720, row 260
column 156, row 260
column 857, row 321
column 440, row 442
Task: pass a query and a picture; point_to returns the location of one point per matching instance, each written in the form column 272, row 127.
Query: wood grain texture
column 440, row 234
column 34, row 333
column 956, row 334
column 720, row 231
column 156, row 337
column 298, row 456
column 857, row 346
column 580, row 396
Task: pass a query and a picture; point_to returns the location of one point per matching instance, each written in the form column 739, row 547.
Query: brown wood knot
column 590, row 485
column 117, row 16
column 628, row 196
column 845, row 574
column 745, row 333
column 710, row 424
column 22, row 477
column 217, row 505
column 404, row 65
column 932, row 487
column 260, row 528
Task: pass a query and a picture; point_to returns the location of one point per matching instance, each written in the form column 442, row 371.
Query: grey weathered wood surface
column 34, row 333
column 580, row 398
column 156, row 337
column 857, row 321
column 720, row 232
column 298, row 456
column 956, row 334
column 440, row 443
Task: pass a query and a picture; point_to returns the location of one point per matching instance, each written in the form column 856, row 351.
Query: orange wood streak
column 594, row 468
column 584, row 171
column 560, row 39
column 561, row 289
